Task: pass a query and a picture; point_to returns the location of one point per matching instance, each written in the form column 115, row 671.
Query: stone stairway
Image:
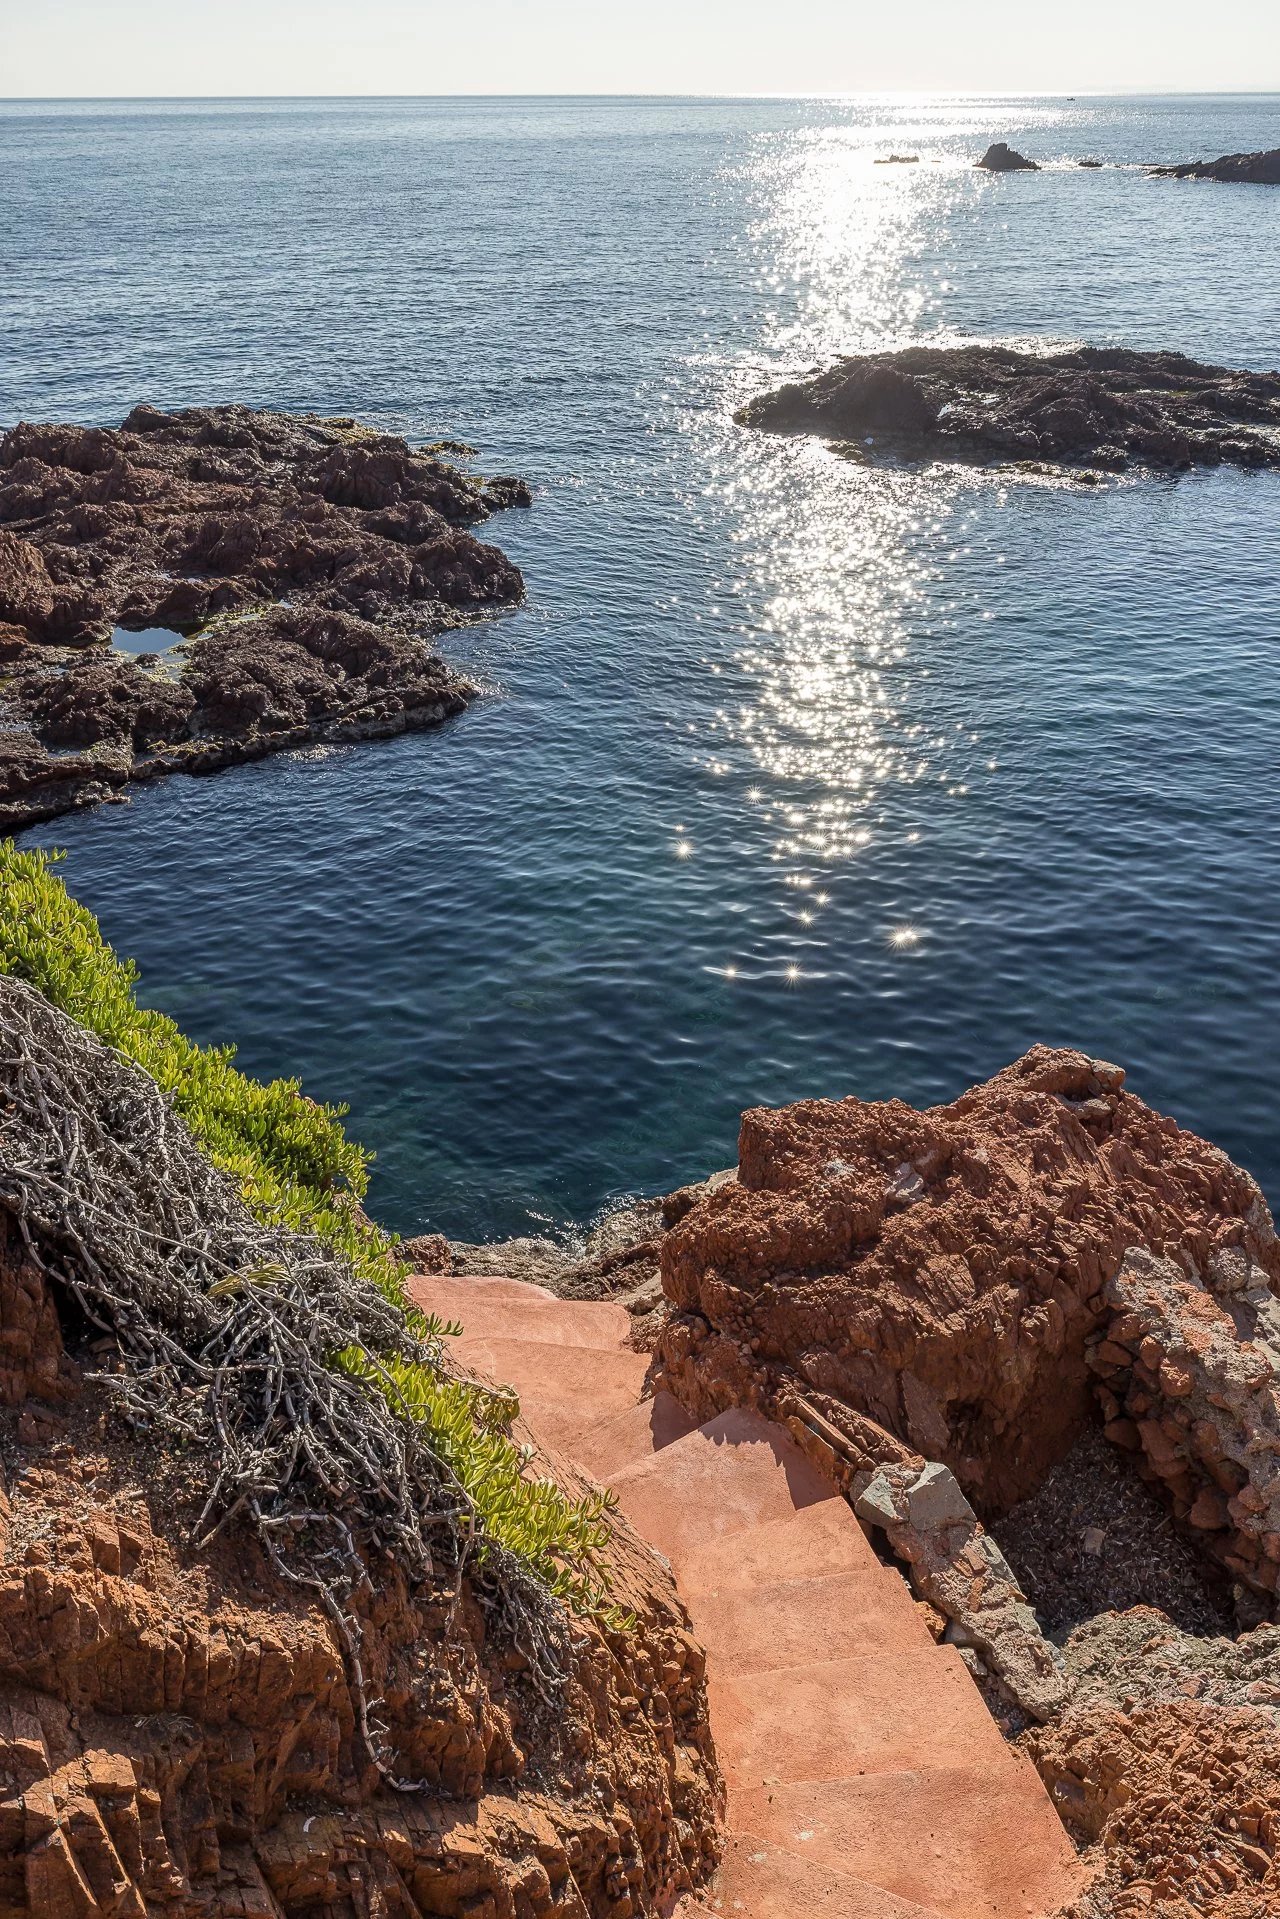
column 865, row 1777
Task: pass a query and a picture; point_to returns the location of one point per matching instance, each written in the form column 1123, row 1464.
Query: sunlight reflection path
column 825, row 712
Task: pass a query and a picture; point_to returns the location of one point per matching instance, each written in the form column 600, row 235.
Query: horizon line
column 860, row 93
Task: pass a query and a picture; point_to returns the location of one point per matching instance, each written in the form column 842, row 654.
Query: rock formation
column 311, row 559
column 943, row 1307
column 208, row 1720
column 178, row 1736
column 1237, row 169
column 1102, row 407
column 1002, row 158
column 944, row 1274
column 958, row 1569
column 1190, row 1382
column 1167, row 1762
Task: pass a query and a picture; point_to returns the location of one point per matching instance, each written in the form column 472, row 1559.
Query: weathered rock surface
column 312, row 558
column 178, row 1735
column 1239, row 169
column 1168, row 1762
column 943, row 1273
column 959, row 1569
column 1190, row 1372
column 1002, row 158
column 945, row 1307
column 1104, row 407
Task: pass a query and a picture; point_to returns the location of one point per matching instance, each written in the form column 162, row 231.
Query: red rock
column 963, row 1317
column 164, row 1712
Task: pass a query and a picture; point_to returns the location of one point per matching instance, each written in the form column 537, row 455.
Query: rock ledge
column 310, row 560
column 1102, row 407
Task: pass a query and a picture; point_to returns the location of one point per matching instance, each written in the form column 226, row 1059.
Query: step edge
column 901, row 1908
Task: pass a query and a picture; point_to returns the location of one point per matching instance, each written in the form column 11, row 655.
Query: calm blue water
column 792, row 778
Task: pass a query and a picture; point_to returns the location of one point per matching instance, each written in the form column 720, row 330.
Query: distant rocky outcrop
column 1002, row 158
column 311, row 559
column 898, row 160
column 1105, row 407
column 1233, row 169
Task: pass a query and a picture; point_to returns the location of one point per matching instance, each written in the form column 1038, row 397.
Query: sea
column 795, row 777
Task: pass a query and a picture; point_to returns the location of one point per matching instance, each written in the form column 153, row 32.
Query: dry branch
column 230, row 1331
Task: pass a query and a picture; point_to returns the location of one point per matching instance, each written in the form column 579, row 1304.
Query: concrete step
column 554, row 1322
column 972, row 1841
column 733, row 1473
column 817, row 1542
column 562, row 1389
column 888, row 1712
column 636, row 1434
column 797, row 1622
column 452, row 1293
column 758, row 1880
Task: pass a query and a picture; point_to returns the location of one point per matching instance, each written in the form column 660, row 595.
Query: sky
column 132, row 48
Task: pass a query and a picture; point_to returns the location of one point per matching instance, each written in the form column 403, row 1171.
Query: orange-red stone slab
column 438, row 1292
column 758, row 1880
column 880, row 1713
column 555, row 1322
column 798, row 1622
column 975, row 1841
column 733, row 1473
column 635, row 1434
column 561, row 1387
column 816, row 1542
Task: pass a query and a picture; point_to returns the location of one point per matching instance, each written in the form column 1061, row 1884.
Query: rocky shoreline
column 1103, row 408
column 1032, row 1336
column 308, row 562
column 1231, row 169
column 1035, row 1335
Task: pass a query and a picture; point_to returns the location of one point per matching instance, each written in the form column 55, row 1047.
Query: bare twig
column 230, row 1330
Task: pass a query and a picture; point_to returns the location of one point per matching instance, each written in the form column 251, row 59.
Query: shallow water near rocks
column 796, row 776
column 156, row 640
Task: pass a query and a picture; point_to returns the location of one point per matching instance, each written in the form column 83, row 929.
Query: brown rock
column 179, row 1735
column 1209, row 1510
column 1240, row 169
column 203, row 522
column 978, row 1301
column 1167, row 1793
column 1002, row 158
column 1106, row 407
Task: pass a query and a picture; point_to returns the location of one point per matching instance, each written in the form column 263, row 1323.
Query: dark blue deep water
column 793, row 777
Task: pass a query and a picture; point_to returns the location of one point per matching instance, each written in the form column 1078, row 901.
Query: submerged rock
column 1002, row 158
column 1106, row 407
column 311, row 558
column 1233, row 169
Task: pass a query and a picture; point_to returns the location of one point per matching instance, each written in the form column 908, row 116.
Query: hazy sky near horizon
column 131, row 48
